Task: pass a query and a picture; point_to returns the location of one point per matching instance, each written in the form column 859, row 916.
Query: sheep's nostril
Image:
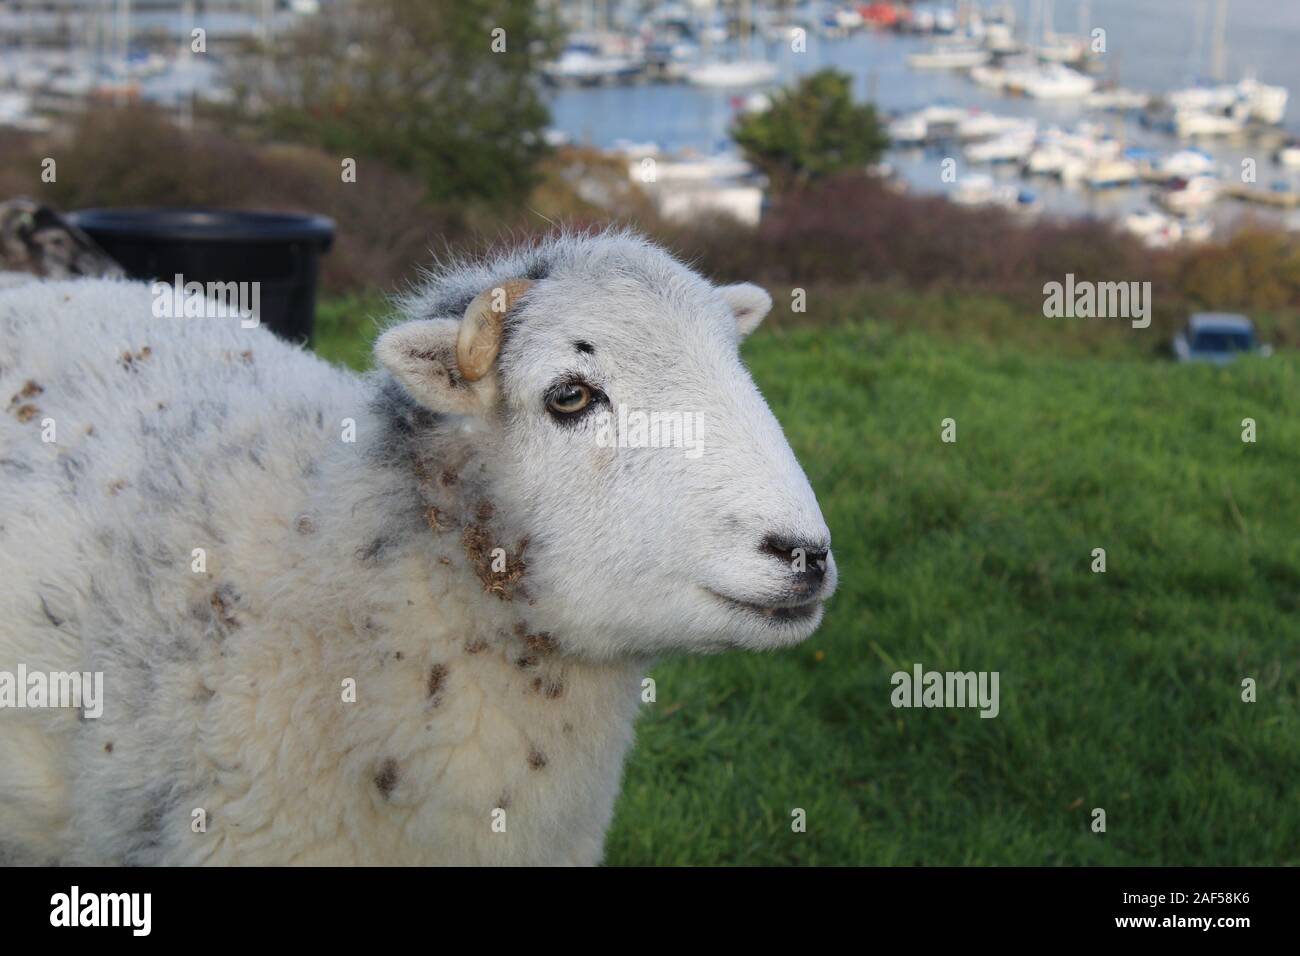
column 815, row 563
column 804, row 559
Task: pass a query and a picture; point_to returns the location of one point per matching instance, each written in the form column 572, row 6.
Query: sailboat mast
column 1220, row 64
column 124, row 47
column 747, row 26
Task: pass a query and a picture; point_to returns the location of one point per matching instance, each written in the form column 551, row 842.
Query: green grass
column 346, row 327
column 1119, row 690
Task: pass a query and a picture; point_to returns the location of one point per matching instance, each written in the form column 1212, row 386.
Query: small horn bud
column 479, row 339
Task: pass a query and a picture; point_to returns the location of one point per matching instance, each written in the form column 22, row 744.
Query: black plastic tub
column 279, row 251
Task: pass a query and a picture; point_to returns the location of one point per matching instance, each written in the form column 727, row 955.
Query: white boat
column 1056, row 162
column 586, row 64
column 714, row 31
column 908, row 130
column 147, row 64
column 1191, row 196
column 980, row 124
column 730, row 74
column 949, row 58
column 922, row 22
column 1118, row 99
column 1197, row 230
column 1057, row 83
column 1203, row 98
column 1289, row 156
column 943, row 114
column 74, row 84
column 1267, row 103
column 999, row 38
column 1017, row 76
column 1109, row 173
column 1249, row 99
column 16, row 113
column 1047, row 159
column 1071, row 155
column 781, row 32
column 13, row 106
column 1155, row 229
column 989, row 76
column 1009, row 75
column 734, row 73
column 840, row 22
column 1061, row 48
column 29, row 76
column 1010, row 147
column 1192, row 123
column 1185, row 164
column 979, row 189
column 1074, row 172
column 937, row 121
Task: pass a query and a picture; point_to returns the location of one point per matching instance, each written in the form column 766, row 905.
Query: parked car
column 1217, row 337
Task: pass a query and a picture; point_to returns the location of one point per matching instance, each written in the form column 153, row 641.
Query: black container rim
column 207, row 225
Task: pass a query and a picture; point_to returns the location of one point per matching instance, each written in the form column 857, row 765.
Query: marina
column 1005, row 93
column 1053, row 107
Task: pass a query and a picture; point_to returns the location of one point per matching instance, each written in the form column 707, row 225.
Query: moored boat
column 949, row 58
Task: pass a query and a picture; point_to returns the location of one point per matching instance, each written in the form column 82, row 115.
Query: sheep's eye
column 569, row 399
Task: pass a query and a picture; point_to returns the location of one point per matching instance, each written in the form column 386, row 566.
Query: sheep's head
column 601, row 382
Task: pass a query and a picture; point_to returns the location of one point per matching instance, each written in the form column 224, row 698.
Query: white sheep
column 422, row 646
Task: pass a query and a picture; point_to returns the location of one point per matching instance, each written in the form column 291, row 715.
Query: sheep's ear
column 422, row 357
column 749, row 304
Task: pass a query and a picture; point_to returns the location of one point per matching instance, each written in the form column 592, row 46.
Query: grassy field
column 1119, row 690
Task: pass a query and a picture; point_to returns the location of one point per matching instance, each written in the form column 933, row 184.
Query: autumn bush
column 851, row 242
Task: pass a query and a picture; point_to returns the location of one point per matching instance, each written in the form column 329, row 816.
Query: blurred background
column 904, row 178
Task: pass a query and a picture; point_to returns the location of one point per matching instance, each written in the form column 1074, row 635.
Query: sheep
column 401, row 618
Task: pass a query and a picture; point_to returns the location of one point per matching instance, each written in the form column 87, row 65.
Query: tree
column 444, row 89
column 811, row 131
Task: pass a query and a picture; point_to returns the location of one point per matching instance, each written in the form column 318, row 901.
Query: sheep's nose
column 807, row 559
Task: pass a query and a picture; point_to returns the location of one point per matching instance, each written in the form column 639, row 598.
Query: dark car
column 1217, row 337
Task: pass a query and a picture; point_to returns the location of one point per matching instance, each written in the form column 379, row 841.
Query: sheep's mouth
column 781, row 613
